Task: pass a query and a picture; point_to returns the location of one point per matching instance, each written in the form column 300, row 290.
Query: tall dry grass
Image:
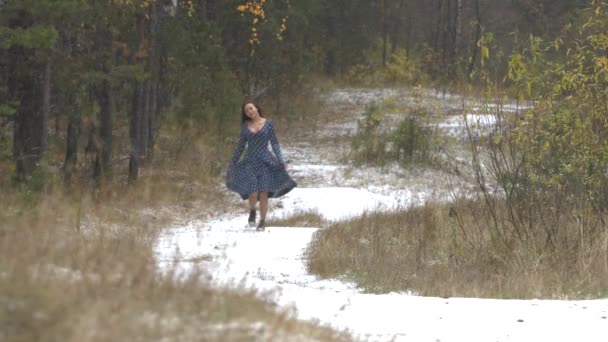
column 78, row 265
column 299, row 219
column 447, row 250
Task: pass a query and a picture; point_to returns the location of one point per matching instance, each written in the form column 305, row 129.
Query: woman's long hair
column 244, row 117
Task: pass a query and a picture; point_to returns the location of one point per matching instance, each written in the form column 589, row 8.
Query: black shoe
column 261, row 226
column 252, row 218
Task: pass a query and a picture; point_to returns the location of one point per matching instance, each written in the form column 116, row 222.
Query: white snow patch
column 335, row 203
column 479, row 125
column 274, row 261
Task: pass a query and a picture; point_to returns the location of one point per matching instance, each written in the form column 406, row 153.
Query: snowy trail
column 273, row 262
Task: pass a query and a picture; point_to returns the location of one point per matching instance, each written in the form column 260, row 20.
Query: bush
column 411, row 142
column 401, row 69
column 550, row 163
column 404, row 69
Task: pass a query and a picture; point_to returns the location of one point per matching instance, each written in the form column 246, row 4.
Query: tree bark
column 152, row 120
column 134, row 131
column 46, row 106
column 438, row 26
column 73, row 96
column 330, row 26
column 142, row 144
column 384, row 33
column 71, row 148
column 396, row 25
column 458, row 29
column 104, row 99
column 476, row 39
column 32, row 90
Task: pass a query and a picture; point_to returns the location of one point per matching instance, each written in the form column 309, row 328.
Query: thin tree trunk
column 408, row 27
column 477, row 37
column 438, row 26
column 458, row 29
column 330, row 24
column 384, row 33
column 151, row 109
column 104, row 99
column 73, row 105
column 46, row 107
column 142, row 144
column 152, row 120
column 71, row 146
column 445, row 46
column 31, row 119
column 134, row 131
column 396, row 23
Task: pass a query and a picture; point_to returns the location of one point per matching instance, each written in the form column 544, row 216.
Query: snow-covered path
column 273, row 261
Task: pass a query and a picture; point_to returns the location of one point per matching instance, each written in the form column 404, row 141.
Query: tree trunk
column 476, row 39
column 458, row 29
column 104, row 99
column 438, row 26
column 396, row 25
column 330, row 25
column 73, row 99
column 46, row 107
column 142, row 144
column 384, row 33
column 446, row 50
column 154, row 65
column 152, row 120
column 32, row 90
column 134, row 131
column 71, row 148
column 408, row 27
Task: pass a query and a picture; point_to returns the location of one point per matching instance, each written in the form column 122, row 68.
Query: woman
column 260, row 174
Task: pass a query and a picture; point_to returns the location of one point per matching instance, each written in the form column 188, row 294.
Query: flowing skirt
column 259, row 175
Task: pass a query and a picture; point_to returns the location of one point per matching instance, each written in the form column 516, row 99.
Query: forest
column 74, row 72
column 118, row 119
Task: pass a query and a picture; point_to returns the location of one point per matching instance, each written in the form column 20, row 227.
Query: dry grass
column 79, row 266
column 299, row 219
column 441, row 250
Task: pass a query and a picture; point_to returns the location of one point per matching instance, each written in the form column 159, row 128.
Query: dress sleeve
column 276, row 148
column 239, row 149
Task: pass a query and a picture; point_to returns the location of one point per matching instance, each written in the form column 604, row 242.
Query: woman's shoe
column 261, row 226
column 252, row 218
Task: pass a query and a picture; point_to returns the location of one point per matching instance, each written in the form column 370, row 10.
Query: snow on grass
column 479, row 125
column 273, row 261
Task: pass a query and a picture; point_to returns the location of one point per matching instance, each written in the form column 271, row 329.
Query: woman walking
column 260, row 174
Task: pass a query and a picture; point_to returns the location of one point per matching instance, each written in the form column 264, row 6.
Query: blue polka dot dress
column 260, row 169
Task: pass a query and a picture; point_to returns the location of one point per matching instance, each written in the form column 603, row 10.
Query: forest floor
column 230, row 254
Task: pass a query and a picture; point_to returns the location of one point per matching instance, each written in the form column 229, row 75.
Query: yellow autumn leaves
column 256, row 10
column 282, row 28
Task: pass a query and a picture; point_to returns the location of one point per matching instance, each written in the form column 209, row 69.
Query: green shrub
column 411, row 142
column 404, row 69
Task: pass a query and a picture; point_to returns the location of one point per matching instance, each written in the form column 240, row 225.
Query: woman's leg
column 253, row 199
column 263, row 205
